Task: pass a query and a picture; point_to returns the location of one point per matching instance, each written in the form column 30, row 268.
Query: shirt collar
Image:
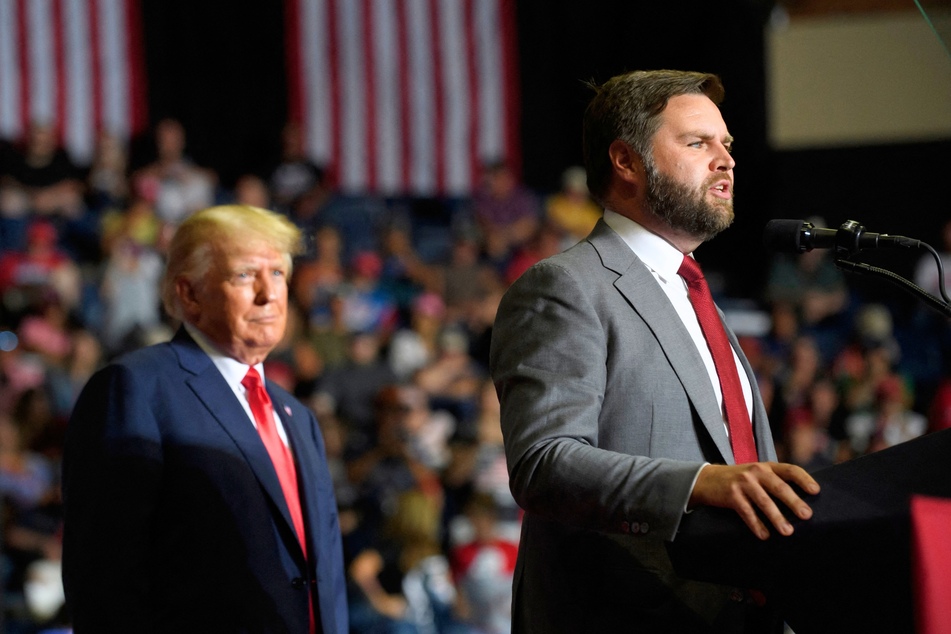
column 656, row 253
column 231, row 369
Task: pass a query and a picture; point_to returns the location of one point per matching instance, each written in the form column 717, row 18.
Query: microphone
column 799, row 236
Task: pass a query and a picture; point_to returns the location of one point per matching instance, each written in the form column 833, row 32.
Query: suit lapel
column 638, row 286
column 222, row 405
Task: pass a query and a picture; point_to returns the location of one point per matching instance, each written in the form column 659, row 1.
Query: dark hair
column 627, row 107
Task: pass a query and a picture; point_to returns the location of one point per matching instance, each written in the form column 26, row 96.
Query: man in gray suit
column 611, row 402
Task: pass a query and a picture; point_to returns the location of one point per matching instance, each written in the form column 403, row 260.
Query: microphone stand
column 848, row 245
column 867, row 269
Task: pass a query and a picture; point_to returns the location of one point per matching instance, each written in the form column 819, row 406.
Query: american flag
column 404, row 96
column 77, row 64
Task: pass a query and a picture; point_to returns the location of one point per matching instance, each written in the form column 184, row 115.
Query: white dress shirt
column 664, row 260
column 233, row 372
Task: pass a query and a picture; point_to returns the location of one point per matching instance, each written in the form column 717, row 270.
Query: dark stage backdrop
column 219, row 66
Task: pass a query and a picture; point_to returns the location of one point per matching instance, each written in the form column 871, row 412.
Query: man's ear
column 628, row 178
column 187, row 295
column 628, row 166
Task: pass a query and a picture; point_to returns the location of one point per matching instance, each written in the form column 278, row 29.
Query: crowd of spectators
column 394, row 301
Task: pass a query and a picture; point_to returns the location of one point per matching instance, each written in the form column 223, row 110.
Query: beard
column 686, row 209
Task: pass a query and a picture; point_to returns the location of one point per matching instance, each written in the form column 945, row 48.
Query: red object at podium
column 931, row 544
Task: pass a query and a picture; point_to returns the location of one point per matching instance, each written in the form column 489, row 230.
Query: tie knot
column 251, row 380
column 690, row 270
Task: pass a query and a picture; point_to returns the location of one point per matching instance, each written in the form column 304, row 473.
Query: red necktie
column 737, row 416
column 261, row 407
column 260, row 404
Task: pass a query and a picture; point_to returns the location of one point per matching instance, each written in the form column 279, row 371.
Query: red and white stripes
column 404, row 96
column 78, row 64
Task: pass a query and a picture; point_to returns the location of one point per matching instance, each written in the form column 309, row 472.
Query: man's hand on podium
column 746, row 488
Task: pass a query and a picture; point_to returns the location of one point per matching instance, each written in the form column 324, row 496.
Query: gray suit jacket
column 608, row 414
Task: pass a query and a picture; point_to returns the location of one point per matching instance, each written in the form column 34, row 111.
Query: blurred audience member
column 367, row 304
column 453, row 379
column 307, row 365
column 872, row 355
column 296, row 175
column 348, row 391
column 108, row 178
column 42, row 178
column 319, row 275
column 479, row 323
column 329, row 335
column 391, row 460
column 483, row 568
column 130, row 295
column 783, row 331
column 137, row 222
column 405, row 274
column 31, row 275
column 465, row 279
column 251, row 190
column 802, row 368
column 429, row 430
column 416, row 345
column 41, row 430
column 26, row 477
column 890, row 421
column 307, row 214
column 814, row 429
column 571, row 209
column 182, row 187
column 404, row 584
column 547, row 241
column 478, row 460
column 65, row 381
column 507, row 212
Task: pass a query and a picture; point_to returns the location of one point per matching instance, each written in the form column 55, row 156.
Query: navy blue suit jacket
column 174, row 517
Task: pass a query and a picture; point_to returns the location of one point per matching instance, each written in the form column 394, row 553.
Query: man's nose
column 723, row 161
column 267, row 288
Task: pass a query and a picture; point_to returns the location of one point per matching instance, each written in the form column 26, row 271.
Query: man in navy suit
column 177, row 517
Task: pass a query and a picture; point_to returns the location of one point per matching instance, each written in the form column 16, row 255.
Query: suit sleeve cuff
column 692, row 485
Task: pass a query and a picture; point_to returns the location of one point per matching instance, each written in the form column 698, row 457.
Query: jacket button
column 299, row 582
column 625, row 527
column 645, row 527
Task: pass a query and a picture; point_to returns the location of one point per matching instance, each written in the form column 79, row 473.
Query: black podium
column 849, row 568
